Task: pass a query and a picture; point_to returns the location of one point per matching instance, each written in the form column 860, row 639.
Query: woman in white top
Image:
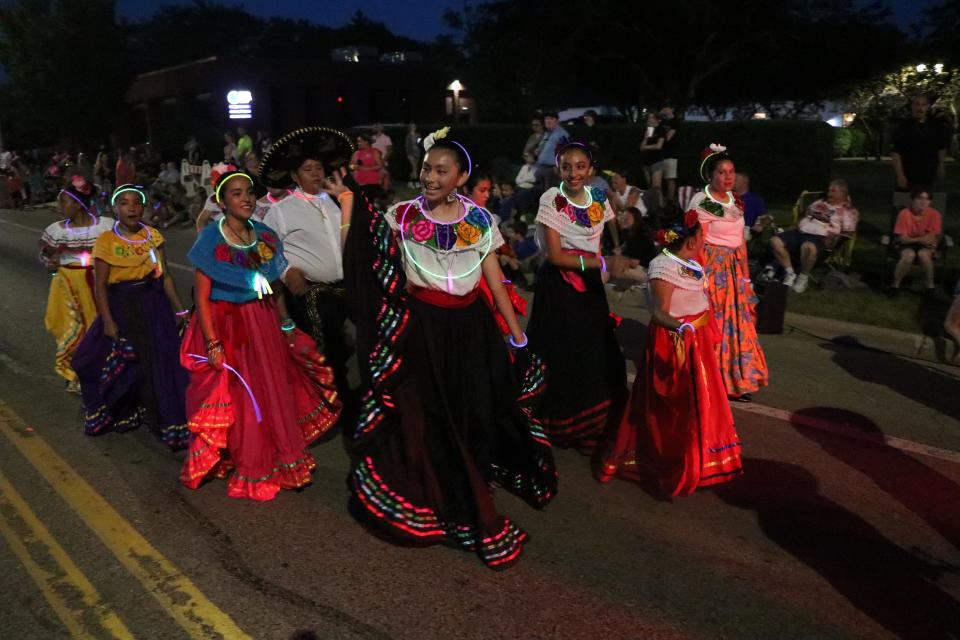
column 678, row 427
column 570, row 326
column 65, row 250
column 442, row 418
column 625, row 195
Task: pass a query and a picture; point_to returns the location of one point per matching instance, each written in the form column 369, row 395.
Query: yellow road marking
column 75, row 601
column 199, row 617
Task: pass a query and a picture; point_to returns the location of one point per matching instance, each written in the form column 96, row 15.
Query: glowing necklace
column 729, row 201
column 306, row 198
column 449, row 276
column 82, row 230
column 260, row 284
column 238, row 246
column 570, row 200
column 691, row 264
column 157, row 269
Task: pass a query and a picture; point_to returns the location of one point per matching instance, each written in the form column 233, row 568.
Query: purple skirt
column 136, row 378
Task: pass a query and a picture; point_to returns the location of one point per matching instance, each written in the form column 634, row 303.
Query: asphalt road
column 827, row 535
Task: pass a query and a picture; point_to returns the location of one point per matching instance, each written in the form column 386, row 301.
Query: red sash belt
column 573, row 277
column 442, row 298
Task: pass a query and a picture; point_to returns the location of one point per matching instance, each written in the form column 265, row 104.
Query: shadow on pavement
column 918, row 382
column 926, row 492
column 884, row 581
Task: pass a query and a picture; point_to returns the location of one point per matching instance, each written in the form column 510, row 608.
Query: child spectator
column 917, row 233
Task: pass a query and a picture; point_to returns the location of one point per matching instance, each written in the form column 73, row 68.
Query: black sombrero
column 331, row 147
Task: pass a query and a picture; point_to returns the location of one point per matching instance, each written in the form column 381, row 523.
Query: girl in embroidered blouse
column 259, row 391
column 678, row 428
column 66, row 251
column 724, row 260
column 443, row 418
column 587, row 382
column 129, row 372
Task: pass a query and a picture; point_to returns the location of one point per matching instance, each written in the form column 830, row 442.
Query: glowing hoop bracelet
column 589, row 196
column 153, row 256
column 451, row 277
column 253, row 400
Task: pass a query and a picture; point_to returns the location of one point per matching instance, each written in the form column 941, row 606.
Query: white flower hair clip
column 717, row 148
column 431, row 139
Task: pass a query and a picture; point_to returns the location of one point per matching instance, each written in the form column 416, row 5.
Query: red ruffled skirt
column 678, row 427
column 290, row 386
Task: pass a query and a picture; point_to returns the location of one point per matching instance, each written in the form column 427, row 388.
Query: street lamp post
column 456, row 87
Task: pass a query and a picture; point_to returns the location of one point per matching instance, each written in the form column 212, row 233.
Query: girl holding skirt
column 678, row 427
column 128, row 367
column 66, row 250
column 724, row 260
column 259, row 391
column 570, row 326
column 445, row 419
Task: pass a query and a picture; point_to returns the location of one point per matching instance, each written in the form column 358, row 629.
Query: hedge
column 783, row 157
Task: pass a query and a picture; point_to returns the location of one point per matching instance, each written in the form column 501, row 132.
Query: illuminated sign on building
column 240, row 104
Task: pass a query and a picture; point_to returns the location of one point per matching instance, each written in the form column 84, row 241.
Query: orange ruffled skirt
column 291, row 385
column 678, row 427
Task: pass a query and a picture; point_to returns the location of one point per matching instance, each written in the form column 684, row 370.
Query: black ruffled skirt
column 574, row 334
column 442, row 426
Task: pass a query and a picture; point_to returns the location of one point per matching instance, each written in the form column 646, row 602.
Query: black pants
column 322, row 313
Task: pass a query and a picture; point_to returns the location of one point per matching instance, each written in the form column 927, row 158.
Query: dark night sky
column 420, row 19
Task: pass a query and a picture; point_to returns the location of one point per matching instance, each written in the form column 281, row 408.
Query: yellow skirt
column 70, row 312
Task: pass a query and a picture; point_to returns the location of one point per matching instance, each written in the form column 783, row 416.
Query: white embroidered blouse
column 444, row 256
column 580, row 228
column 689, row 297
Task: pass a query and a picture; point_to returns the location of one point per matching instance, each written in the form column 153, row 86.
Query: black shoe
column 746, row 397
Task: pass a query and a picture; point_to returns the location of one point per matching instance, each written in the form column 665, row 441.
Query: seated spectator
column 755, row 216
column 822, row 227
column 170, row 175
column 917, row 232
column 526, row 197
column 478, row 189
column 527, row 176
column 952, row 323
column 624, row 195
column 636, row 246
column 519, row 255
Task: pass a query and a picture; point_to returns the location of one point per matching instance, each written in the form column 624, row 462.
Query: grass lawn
column 871, row 189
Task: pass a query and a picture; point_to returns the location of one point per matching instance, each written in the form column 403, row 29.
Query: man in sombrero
column 312, row 222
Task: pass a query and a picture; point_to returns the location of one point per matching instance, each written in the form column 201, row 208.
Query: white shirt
column 76, row 242
column 689, row 297
column 527, row 176
column 309, row 228
column 572, row 235
column 456, row 270
column 622, row 199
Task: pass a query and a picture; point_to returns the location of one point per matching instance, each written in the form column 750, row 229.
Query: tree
column 885, row 99
column 67, row 66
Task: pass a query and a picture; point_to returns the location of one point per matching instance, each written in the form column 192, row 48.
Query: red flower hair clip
column 690, row 219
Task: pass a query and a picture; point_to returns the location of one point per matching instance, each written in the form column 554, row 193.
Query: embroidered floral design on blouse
column 464, row 233
column 714, row 208
column 252, row 258
column 587, row 217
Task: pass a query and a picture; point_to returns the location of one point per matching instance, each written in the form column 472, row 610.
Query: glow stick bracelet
column 253, row 400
